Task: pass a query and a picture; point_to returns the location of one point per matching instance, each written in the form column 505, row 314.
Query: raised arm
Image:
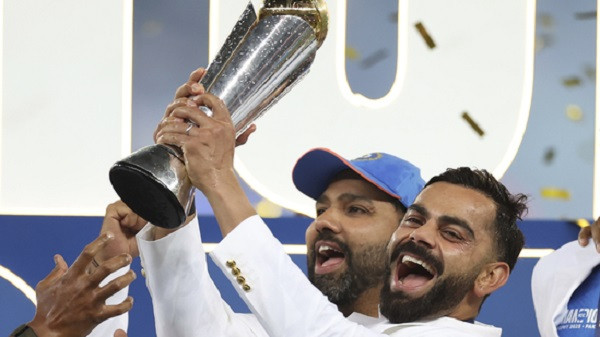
column 275, row 289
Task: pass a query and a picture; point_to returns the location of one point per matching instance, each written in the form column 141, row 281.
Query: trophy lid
column 312, row 11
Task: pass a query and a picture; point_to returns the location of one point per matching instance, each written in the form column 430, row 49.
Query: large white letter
column 482, row 64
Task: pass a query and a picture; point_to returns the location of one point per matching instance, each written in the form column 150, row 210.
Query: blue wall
column 28, row 243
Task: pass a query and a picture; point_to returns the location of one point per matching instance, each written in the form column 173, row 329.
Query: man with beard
column 455, row 246
column 360, row 203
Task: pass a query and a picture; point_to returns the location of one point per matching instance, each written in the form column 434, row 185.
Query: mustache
column 418, row 251
column 329, row 236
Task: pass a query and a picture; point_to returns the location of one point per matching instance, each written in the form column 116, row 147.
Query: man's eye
column 356, row 209
column 321, row 210
column 412, row 221
column 452, row 235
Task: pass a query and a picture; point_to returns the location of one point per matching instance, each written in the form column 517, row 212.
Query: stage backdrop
column 506, row 85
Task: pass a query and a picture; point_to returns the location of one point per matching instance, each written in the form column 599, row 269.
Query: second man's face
column 347, row 241
column 437, row 252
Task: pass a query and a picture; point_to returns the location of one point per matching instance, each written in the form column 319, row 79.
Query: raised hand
column 70, row 302
column 188, row 94
column 593, row 232
column 124, row 224
column 208, row 148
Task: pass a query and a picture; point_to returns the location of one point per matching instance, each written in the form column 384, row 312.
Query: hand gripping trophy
column 260, row 61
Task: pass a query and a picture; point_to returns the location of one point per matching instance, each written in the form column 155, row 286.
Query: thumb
column 59, row 270
column 120, row 333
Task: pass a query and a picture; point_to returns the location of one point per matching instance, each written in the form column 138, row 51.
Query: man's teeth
column 323, row 248
column 425, row 266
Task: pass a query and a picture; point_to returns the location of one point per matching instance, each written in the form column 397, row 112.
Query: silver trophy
column 260, row 61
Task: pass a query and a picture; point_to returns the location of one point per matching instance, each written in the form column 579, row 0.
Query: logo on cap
column 370, row 156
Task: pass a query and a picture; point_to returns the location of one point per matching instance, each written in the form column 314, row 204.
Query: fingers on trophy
column 260, row 61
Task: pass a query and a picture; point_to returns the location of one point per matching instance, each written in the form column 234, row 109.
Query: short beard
column 445, row 295
column 365, row 269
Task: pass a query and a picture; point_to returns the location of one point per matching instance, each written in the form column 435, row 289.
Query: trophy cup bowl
column 259, row 62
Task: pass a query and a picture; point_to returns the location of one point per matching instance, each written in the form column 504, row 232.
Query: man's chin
column 436, row 298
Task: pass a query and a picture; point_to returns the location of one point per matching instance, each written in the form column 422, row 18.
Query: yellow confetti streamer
column 267, row 209
column 472, row 123
column 555, row 193
column 572, row 81
column 352, row 53
column 574, row 112
column 582, row 223
column 546, row 20
column 425, row 35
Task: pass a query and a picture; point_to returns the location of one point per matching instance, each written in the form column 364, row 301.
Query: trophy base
column 146, row 196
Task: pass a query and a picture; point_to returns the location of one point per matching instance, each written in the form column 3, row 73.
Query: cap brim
column 314, row 171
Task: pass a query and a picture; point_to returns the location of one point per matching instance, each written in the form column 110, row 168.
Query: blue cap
column 397, row 177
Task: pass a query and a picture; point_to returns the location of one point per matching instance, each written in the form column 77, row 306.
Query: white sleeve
column 185, row 300
column 275, row 289
column 108, row 327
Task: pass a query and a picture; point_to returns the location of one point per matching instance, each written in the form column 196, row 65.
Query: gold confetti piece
column 428, row 40
column 373, row 59
column 549, row 156
column 543, row 41
column 555, row 193
column 546, row 20
column 586, row 15
column 351, row 53
column 267, row 209
column 473, row 124
column 582, row 223
column 574, row 112
column 590, row 72
column 571, row 81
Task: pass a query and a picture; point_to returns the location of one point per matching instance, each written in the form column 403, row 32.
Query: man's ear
column 492, row 277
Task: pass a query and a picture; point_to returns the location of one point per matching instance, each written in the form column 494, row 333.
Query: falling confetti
column 428, row 40
column 267, row 209
column 546, row 20
column 555, row 193
column 574, row 112
column 571, row 81
column 582, row 223
column 590, row 72
column 586, row 15
column 352, row 54
column 549, row 156
column 473, row 124
column 371, row 60
column 543, row 41
column 394, row 17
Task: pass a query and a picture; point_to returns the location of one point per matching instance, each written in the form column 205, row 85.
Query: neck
column 468, row 308
column 367, row 303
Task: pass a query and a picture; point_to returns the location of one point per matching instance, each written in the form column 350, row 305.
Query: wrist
column 24, row 330
column 230, row 206
column 157, row 233
column 37, row 328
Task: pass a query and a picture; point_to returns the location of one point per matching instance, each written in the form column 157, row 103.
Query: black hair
column 509, row 208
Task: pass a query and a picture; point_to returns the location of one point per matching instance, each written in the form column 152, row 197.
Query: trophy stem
column 153, row 182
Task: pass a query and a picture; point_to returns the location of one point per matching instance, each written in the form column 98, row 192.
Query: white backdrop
column 65, row 103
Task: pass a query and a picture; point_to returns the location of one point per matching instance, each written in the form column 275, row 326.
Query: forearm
column 228, row 201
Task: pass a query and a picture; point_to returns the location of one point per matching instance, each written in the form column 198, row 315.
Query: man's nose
column 328, row 220
column 424, row 235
